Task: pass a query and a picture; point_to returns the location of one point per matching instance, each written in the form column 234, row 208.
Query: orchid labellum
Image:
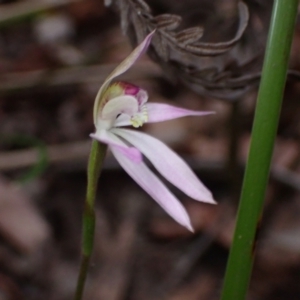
column 121, row 104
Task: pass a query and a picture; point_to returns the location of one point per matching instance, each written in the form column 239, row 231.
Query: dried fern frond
column 221, row 69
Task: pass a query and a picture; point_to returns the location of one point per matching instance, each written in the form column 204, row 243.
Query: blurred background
column 54, row 55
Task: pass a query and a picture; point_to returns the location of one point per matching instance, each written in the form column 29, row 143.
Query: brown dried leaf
column 167, row 21
column 179, row 52
column 189, row 36
column 20, row 222
column 219, row 48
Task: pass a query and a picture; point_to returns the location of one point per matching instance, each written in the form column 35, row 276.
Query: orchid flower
column 122, row 104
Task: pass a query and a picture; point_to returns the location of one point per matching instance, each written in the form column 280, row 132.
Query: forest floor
column 52, row 62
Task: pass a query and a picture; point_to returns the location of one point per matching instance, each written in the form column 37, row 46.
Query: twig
column 18, row 159
column 70, row 76
column 79, row 151
column 20, row 11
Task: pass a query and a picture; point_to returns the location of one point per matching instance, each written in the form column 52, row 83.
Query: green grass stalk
column 239, row 266
column 95, row 163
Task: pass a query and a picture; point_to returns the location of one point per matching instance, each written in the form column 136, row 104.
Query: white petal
column 158, row 112
column 123, row 120
column 155, row 188
column 121, row 68
column 168, row 163
column 110, row 139
column 122, row 104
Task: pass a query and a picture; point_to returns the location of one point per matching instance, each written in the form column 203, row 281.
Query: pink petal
column 168, row 163
column 158, row 112
column 122, row 68
column 155, row 188
column 110, row 139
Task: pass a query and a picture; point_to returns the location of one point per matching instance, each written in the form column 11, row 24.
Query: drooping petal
column 119, row 105
column 168, row 163
column 122, row 67
column 155, row 188
column 110, row 139
column 158, row 112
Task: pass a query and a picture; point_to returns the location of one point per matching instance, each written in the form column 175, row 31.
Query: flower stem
column 96, row 158
column 265, row 125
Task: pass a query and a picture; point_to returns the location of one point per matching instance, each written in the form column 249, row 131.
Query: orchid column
column 121, row 104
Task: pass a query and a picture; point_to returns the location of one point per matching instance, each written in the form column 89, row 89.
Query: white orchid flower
column 121, row 104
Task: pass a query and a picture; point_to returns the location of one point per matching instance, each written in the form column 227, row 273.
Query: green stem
column 263, row 136
column 96, row 158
